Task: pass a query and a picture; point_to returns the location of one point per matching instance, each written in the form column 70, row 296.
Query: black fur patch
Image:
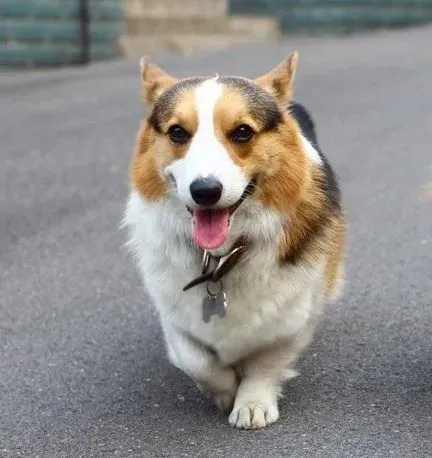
column 330, row 184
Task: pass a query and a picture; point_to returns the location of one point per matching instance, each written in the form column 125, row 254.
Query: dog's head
column 212, row 142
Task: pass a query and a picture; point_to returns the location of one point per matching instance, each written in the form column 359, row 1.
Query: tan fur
column 184, row 115
column 276, row 158
column 334, row 271
column 154, row 81
column 284, row 168
column 279, row 81
column 154, row 151
column 231, row 111
column 144, row 171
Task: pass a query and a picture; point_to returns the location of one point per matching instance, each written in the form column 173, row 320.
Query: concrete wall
column 48, row 32
column 188, row 26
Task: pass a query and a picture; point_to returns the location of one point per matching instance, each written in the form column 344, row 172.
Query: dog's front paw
column 254, row 415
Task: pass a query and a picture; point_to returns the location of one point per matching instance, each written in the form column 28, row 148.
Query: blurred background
column 37, row 33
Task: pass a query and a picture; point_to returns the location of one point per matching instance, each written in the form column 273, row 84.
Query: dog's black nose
column 206, row 191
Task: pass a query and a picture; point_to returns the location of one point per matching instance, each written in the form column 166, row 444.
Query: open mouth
column 211, row 225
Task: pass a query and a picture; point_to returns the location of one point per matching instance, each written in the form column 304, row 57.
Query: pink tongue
column 210, row 228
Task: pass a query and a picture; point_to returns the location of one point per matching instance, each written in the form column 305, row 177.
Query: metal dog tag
column 214, row 304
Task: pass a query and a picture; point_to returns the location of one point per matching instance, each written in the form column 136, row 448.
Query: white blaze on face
column 207, row 155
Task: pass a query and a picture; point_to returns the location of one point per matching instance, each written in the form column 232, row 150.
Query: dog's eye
column 178, row 135
column 242, row 134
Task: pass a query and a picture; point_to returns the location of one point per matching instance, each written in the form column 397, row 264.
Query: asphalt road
column 83, row 370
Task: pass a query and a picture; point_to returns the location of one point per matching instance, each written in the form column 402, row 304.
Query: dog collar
column 224, row 264
column 227, row 262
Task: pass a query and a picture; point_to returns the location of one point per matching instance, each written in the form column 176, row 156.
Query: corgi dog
column 237, row 225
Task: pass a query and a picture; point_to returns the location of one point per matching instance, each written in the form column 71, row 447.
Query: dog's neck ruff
column 224, row 264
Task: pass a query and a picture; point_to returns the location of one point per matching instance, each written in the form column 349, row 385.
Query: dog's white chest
column 265, row 302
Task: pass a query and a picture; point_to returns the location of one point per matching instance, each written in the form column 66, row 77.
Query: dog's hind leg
column 202, row 365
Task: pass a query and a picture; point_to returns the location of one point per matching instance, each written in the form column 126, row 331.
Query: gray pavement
column 83, row 370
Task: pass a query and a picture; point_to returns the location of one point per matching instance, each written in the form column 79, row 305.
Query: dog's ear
column 154, row 81
column 279, row 81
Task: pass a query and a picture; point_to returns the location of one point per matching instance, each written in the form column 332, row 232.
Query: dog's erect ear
column 279, row 81
column 154, row 81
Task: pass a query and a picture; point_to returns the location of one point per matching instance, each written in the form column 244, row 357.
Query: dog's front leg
column 202, row 365
column 262, row 374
